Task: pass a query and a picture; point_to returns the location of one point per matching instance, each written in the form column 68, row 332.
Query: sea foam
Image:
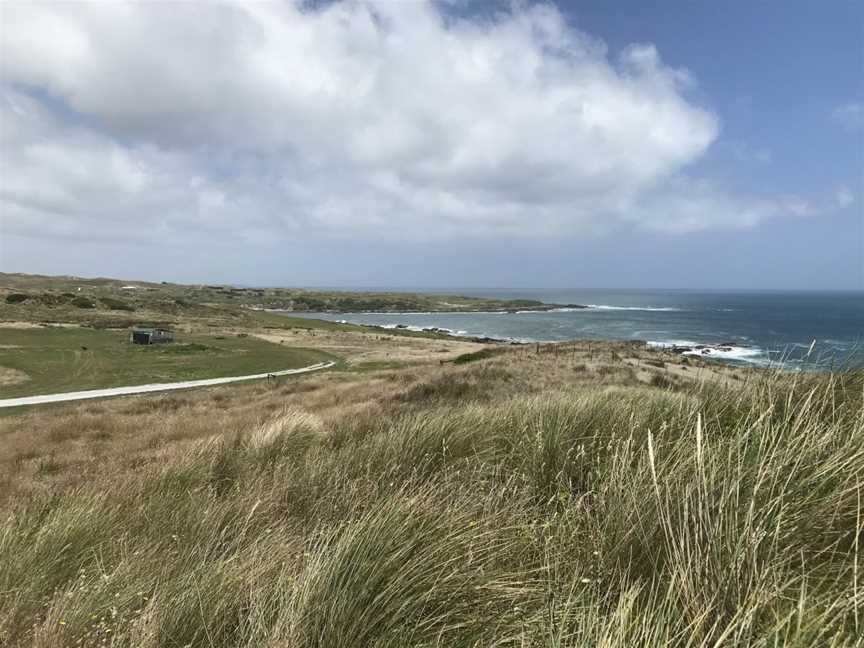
column 659, row 309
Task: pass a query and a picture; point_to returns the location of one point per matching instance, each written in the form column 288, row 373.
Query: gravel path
column 156, row 387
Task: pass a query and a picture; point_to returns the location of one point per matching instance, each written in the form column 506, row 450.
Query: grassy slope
column 55, row 291
column 54, row 358
column 72, row 359
column 474, row 505
column 167, row 306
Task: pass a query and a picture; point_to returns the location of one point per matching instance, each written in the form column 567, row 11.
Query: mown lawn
column 72, row 359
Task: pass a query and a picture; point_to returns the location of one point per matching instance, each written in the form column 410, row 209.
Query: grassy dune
column 457, row 506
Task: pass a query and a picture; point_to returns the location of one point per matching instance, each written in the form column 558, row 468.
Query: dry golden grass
column 358, row 347
column 557, row 496
column 581, row 494
column 524, row 500
column 62, row 446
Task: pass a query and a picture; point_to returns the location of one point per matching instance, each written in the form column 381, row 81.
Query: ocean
column 746, row 328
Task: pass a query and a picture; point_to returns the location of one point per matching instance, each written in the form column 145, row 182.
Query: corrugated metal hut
column 151, row 336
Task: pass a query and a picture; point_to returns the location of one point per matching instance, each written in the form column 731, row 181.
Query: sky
column 583, row 144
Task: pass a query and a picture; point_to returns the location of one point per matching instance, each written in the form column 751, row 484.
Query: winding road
column 155, row 387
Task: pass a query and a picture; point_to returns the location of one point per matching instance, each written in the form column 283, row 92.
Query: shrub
column 116, row 304
column 465, row 387
column 49, row 299
column 16, row 298
column 482, row 354
column 114, row 323
column 83, row 302
column 662, row 381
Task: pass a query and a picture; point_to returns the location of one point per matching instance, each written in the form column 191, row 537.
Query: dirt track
column 155, row 387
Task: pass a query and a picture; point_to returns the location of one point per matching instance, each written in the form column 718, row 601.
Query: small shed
column 151, row 336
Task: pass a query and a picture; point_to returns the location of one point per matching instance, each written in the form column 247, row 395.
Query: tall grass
column 711, row 516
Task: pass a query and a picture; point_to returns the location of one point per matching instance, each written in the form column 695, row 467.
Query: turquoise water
column 757, row 328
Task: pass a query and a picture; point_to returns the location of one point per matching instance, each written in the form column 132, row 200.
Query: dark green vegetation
column 174, row 298
column 82, row 302
column 589, row 514
column 59, row 359
column 483, row 354
column 116, row 304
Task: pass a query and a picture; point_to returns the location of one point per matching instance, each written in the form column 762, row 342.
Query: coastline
column 740, row 332
column 705, row 351
column 718, row 352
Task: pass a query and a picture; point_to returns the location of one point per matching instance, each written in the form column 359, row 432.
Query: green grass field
column 72, row 359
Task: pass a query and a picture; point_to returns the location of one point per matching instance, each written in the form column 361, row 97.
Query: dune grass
column 706, row 515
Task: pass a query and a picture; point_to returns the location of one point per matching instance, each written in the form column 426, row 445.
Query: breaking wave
column 632, row 308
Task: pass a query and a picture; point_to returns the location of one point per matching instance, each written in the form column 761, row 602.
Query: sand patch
column 19, row 325
column 12, row 377
column 13, row 324
column 374, row 347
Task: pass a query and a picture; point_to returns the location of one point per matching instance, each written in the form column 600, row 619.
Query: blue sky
column 578, row 144
column 773, row 71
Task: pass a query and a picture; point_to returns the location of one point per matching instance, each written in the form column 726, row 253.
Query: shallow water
column 757, row 328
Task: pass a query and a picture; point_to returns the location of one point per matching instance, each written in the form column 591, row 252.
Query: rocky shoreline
column 725, row 351
column 442, row 331
column 704, row 349
column 721, row 351
column 733, row 352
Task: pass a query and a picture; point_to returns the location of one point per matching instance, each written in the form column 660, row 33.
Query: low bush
column 482, row 354
column 16, row 298
column 109, row 322
column 661, row 380
column 116, row 304
column 472, row 385
column 83, row 302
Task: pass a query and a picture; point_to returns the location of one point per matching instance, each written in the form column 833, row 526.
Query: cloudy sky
column 600, row 143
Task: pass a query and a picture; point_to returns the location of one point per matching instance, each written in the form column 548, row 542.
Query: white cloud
column 843, row 196
column 264, row 120
column 680, row 206
column 850, row 116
